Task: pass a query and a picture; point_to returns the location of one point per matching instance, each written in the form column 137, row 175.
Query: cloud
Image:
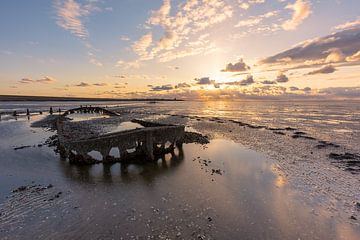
column 82, row 84
column 85, row 84
column 124, row 38
column 70, row 14
column 45, row 79
column 349, row 25
column 354, row 58
column 204, row 81
column 182, row 85
column 323, row 70
column 346, row 92
column 301, row 10
column 282, row 78
column 294, row 89
column 245, row 5
column 318, row 51
column 95, row 62
column 240, row 66
column 181, row 24
column 140, row 47
column 256, row 20
column 166, row 87
column 246, row 82
column 100, row 84
column 267, row 82
column 307, row 89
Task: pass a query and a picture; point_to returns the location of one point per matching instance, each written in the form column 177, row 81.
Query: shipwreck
column 144, row 143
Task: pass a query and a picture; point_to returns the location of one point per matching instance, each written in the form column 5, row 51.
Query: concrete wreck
column 144, row 144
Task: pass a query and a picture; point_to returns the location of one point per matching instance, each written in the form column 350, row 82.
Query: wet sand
column 220, row 190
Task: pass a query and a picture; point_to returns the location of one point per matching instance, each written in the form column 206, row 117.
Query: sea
column 332, row 120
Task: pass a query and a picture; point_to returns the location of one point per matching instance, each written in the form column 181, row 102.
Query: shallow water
column 334, row 121
column 78, row 117
column 126, row 126
column 178, row 196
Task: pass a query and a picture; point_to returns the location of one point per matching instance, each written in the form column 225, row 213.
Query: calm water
column 337, row 121
column 176, row 197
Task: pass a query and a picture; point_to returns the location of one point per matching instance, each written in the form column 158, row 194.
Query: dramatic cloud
column 240, row 66
column 331, row 48
column 323, row 70
column 166, row 87
column 188, row 20
column 45, row 79
column 282, row 78
column 301, row 10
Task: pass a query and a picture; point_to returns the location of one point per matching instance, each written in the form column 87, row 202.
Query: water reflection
column 124, row 172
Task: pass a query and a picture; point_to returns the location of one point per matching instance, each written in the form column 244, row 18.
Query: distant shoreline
column 8, row 98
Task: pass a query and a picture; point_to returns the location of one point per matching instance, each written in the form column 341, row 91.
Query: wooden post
column 149, row 148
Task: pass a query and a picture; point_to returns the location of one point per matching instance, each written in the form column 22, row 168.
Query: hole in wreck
column 131, row 150
column 167, row 144
column 114, row 152
column 95, row 155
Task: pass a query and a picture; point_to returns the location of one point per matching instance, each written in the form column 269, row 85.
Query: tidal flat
column 248, row 182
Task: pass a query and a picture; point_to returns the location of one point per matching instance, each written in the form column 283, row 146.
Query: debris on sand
column 193, row 137
column 348, row 161
column 216, row 171
column 20, row 189
column 21, row 147
column 325, row 144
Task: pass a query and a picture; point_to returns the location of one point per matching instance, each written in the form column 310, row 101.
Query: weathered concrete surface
column 137, row 144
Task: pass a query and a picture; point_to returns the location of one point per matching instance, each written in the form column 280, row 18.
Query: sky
column 186, row 49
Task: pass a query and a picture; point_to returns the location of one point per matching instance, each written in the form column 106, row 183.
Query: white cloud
column 349, row 25
column 70, row 14
column 180, row 29
column 140, row 47
column 335, row 48
column 301, row 10
column 354, row 58
column 95, row 62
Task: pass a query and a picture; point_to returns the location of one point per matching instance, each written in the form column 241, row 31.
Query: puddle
column 124, row 126
column 78, row 117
